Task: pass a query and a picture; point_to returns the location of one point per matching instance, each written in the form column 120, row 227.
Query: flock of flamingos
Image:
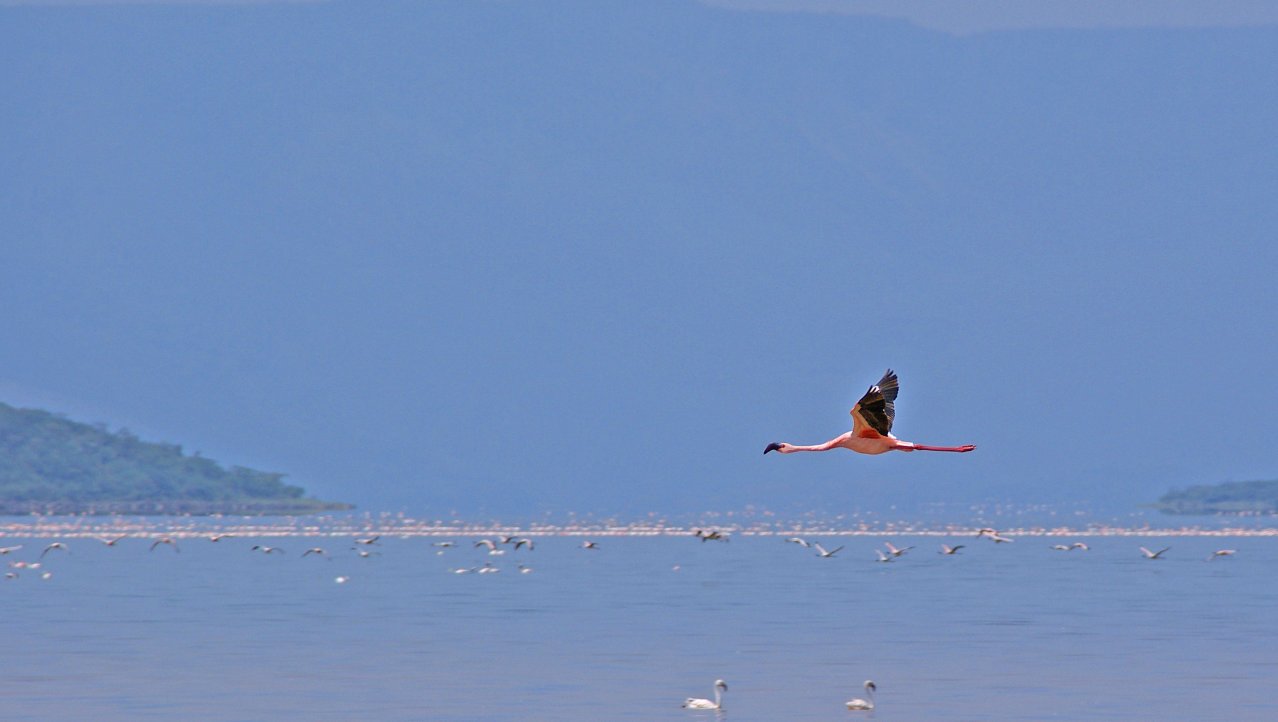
column 872, row 417
column 366, row 546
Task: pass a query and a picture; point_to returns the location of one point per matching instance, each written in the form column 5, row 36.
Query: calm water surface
column 626, row 631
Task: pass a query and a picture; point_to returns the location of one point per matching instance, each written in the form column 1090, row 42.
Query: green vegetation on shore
column 1234, row 497
column 51, row 464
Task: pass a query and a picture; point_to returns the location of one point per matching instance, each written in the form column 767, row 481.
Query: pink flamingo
column 871, row 426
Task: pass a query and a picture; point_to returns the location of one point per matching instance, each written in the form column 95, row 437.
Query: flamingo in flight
column 872, row 418
column 894, row 551
column 994, row 535
column 1152, row 555
column 165, row 540
column 821, row 552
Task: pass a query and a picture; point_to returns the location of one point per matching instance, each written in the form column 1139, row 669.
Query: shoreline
column 178, row 508
column 72, row 527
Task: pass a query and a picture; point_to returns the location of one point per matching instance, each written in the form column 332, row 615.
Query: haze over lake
column 593, row 257
column 576, row 264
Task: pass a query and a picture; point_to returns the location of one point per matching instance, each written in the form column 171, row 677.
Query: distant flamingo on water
column 872, row 418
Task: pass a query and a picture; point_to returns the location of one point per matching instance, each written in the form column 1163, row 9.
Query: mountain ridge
column 52, row 464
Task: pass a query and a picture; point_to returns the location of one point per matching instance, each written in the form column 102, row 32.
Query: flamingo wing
column 874, row 413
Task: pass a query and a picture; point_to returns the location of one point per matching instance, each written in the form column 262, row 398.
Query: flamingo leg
column 920, row 447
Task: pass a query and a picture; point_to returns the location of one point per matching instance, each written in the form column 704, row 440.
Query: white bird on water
column 55, row 545
column 700, row 703
column 864, row 704
column 1153, row 555
column 947, row 549
column 1222, row 553
column 798, row 540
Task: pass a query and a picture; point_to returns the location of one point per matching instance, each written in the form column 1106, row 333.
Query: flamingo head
column 774, row 446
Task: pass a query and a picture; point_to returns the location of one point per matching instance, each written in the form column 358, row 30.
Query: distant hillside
column 1235, row 497
column 51, row 464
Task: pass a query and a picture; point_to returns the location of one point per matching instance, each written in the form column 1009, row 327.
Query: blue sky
column 518, row 257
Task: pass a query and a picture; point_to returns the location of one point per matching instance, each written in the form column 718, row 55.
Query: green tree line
column 45, row 457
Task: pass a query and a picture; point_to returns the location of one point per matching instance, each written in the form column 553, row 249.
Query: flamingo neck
column 837, row 441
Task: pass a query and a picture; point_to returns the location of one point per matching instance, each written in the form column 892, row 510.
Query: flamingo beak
column 772, row 447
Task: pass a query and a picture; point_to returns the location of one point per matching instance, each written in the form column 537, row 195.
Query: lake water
column 628, row 630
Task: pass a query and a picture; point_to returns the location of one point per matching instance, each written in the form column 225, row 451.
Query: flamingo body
column 871, row 433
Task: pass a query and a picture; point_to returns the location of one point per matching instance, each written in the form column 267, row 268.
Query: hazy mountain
column 49, row 463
